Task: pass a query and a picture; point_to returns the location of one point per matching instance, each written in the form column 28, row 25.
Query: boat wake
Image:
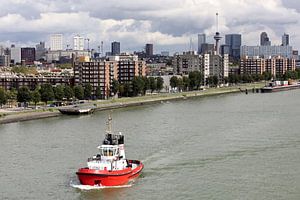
column 97, row 187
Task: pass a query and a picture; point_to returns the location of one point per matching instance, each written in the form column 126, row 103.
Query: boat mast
column 109, row 124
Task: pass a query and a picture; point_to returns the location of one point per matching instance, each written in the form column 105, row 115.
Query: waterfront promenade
column 25, row 115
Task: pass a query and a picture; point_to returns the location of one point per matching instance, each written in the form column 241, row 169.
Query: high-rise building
column 149, row 50
column 209, row 64
column 276, row 66
column 285, row 40
column 207, row 48
column 28, row 55
column 78, row 43
column 234, row 42
column 266, row 51
column 186, row 63
column 56, row 42
column 101, row 73
column 40, row 51
column 201, row 40
column 115, row 48
column 15, row 53
column 4, row 60
column 225, row 49
column 264, row 39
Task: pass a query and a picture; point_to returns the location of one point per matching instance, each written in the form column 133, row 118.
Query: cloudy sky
column 168, row 24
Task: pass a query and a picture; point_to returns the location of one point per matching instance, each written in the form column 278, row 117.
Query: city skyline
column 168, row 25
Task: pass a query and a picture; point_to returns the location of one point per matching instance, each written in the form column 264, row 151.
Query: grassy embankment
column 6, row 117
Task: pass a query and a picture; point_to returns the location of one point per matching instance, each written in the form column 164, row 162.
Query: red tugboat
column 110, row 167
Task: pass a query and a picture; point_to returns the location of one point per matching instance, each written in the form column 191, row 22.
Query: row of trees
column 47, row 93
column 196, row 79
column 193, row 81
column 138, row 86
column 266, row 76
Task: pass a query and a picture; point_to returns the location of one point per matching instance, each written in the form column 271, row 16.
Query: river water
column 233, row 146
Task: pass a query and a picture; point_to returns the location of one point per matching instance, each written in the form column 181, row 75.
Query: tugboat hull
column 93, row 177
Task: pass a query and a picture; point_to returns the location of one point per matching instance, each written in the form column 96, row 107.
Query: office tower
column 56, row 42
column 266, row 51
column 28, row 55
column 15, row 53
column 234, row 42
column 149, row 50
column 207, row 48
column 40, row 51
column 225, row 49
column 78, row 43
column 285, row 40
column 264, row 39
column 115, row 48
column 201, row 40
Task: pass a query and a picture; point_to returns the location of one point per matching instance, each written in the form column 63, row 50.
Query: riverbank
column 11, row 117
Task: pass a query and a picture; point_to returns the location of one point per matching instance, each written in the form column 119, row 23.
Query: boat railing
column 97, row 158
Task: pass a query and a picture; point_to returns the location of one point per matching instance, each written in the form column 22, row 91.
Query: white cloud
column 167, row 23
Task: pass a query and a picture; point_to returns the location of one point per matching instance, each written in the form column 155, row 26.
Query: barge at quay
column 276, row 86
column 77, row 110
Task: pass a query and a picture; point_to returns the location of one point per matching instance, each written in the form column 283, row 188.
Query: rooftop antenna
column 109, row 123
column 102, row 48
column 217, row 36
column 217, row 22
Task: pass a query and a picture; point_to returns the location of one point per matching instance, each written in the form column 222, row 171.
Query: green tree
column 47, row 93
column 180, row 84
column 115, row 86
column 196, row 79
column 215, row 80
column 35, row 96
column 174, row 82
column 137, row 85
column 3, row 97
column 79, row 92
column 69, row 93
column 290, row 75
column 298, row 73
column 11, row 95
column 267, row 76
column 59, row 92
column 226, row 80
column 23, row 95
column 186, row 82
column 146, row 84
column 159, row 83
column 88, row 91
column 210, row 80
column 122, row 90
column 98, row 92
column 193, row 80
column 127, row 89
column 153, row 84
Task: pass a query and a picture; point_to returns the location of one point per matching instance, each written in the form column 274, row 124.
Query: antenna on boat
column 109, row 123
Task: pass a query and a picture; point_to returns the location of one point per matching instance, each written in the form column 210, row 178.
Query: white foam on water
column 97, row 187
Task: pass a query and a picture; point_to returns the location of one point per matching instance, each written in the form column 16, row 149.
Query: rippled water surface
column 223, row 147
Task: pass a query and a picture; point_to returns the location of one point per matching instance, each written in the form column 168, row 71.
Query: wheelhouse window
column 109, row 151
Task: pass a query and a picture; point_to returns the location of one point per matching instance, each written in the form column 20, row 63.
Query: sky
column 168, row 24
